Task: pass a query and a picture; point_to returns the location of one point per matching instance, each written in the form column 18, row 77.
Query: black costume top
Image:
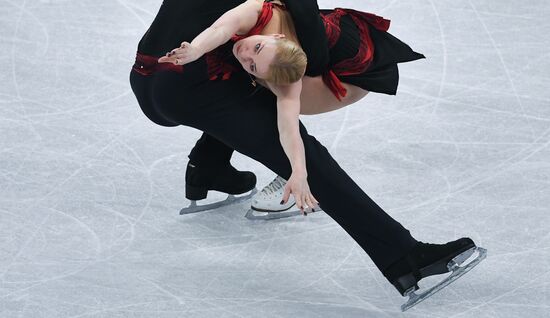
column 341, row 45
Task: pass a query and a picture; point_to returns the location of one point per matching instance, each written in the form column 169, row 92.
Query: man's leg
column 249, row 125
column 209, row 168
column 210, row 151
column 209, row 165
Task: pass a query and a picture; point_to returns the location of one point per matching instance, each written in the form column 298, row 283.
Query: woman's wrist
column 208, row 40
column 299, row 171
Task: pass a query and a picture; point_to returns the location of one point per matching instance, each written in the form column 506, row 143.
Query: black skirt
column 382, row 75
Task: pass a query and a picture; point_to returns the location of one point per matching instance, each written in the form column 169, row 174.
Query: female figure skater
column 218, row 99
column 363, row 57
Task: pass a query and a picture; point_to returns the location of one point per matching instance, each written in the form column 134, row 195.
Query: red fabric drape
column 360, row 62
column 147, row 65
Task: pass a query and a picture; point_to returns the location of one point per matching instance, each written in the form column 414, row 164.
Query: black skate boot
column 431, row 259
column 227, row 179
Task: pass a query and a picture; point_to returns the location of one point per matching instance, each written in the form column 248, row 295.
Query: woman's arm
column 288, row 123
column 288, row 112
column 237, row 20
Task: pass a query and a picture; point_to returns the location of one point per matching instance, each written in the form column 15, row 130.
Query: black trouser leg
column 142, row 88
column 210, row 152
column 249, row 125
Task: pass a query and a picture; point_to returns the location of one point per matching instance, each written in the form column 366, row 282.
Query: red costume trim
column 216, row 64
column 362, row 60
column 263, row 20
column 332, row 26
column 148, row 64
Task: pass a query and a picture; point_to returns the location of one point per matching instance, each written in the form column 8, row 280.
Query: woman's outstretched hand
column 298, row 186
column 186, row 53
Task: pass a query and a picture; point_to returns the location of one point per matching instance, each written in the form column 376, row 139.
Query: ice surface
column 90, row 189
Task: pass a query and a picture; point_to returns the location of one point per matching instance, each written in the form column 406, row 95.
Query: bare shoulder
column 290, row 91
column 278, row 2
column 256, row 4
column 248, row 13
column 313, row 83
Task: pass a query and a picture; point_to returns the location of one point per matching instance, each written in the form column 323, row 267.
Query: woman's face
column 256, row 52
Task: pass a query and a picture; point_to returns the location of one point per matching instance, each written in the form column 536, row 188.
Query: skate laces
column 274, row 186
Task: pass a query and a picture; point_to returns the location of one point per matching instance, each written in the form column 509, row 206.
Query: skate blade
column 281, row 210
column 231, row 199
column 258, row 215
column 457, row 271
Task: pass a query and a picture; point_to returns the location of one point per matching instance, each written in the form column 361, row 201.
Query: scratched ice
column 90, row 189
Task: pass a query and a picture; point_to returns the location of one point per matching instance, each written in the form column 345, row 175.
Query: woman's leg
column 317, row 98
column 226, row 111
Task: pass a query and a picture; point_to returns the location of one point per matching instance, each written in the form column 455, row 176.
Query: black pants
column 233, row 118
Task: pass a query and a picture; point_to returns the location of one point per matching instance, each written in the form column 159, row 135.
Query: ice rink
column 90, row 189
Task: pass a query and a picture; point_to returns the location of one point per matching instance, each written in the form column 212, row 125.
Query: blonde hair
column 289, row 63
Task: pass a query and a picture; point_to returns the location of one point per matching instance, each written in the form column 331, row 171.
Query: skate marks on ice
column 457, row 272
column 231, row 199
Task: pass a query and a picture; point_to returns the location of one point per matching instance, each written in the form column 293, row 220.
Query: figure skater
column 213, row 94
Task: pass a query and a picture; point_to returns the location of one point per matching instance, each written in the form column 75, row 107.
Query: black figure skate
column 227, row 179
column 432, row 259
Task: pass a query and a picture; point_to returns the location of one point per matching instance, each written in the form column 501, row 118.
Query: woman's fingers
column 182, row 56
column 304, row 204
column 178, row 59
column 302, row 195
column 314, row 201
column 310, row 202
column 286, row 194
column 179, row 56
column 299, row 202
column 178, row 51
column 299, row 198
column 170, row 57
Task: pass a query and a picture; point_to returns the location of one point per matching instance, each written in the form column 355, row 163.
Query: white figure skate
column 266, row 205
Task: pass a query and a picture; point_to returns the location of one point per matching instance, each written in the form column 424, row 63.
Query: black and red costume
column 361, row 52
column 218, row 99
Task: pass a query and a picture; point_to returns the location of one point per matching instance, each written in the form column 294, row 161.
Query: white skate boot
column 266, row 204
column 269, row 199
